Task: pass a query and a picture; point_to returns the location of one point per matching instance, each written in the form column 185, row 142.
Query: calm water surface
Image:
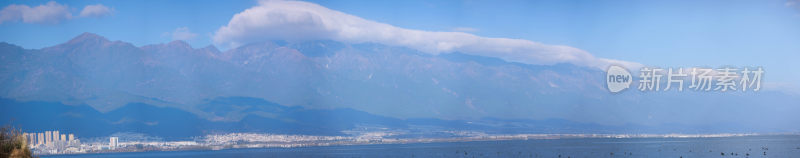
column 755, row 146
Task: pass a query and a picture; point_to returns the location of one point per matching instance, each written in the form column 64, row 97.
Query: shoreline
column 210, row 146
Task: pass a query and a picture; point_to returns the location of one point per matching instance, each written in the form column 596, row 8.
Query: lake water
column 755, row 146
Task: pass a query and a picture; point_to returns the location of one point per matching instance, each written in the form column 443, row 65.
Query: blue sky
column 660, row 33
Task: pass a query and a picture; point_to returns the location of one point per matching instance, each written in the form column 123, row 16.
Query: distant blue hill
column 171, row 123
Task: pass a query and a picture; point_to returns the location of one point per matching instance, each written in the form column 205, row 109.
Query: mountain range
column 324, row 87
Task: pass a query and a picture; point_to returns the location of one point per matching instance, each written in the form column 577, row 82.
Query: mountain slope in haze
column 393, row 82
column 267, row 117
column 173, row 123
column 319, row 74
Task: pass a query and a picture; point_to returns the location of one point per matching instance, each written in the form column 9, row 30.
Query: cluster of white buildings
column 50, row 139
column 113, row 142
column 54, row 142
column 258, row 137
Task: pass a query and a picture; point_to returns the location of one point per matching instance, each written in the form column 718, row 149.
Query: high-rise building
column 70, row 139
column 32, row 139
column 40, row 139
column 48, row 137
column 27, row 138
column 63, row 138
column 113, row 142
column 56, row 136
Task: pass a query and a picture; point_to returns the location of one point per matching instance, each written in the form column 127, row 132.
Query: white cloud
column 792, row 3
column 294, row 20
column 97, row 10
column 465, row 29
column 50, row 13
column 183, row 33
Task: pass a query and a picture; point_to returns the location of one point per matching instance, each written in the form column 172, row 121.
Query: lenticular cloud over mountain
column 294, row 20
